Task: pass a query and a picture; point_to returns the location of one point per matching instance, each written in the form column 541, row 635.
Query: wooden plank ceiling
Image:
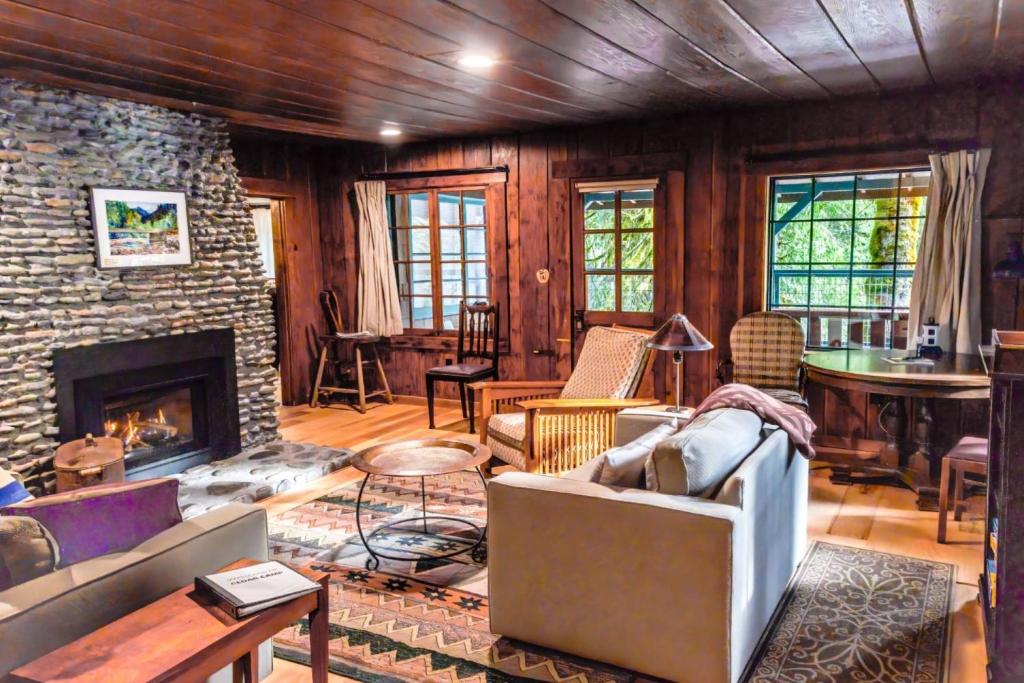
column 347, row 68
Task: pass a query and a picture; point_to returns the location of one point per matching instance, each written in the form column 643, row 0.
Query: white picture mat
column 100, row 197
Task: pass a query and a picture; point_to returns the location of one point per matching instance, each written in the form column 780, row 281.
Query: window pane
column 421, row 278
column 599, row 251
column 792, row 291
column 600, row 292
column 420, row 241
column 903, row 284
column 474, row 207
column 638, row 251
column 419, row 209
column 451, row 278
column 638, row 293
column 792, row 199
column 792, row 242
column 476, row 242
column 831, row 243
column 833, row 197
column 476, row 281
column 448, row 207
column 876, row 195
column 450, row 314
column 914, row 193
column 638, row 209
column 832, row 291
column 402, row 277
column 392, row 204
column 451, row 244
column 422, row 313
column 872, row 292
column 909, row 239
column 405, row 305
column 400, row 245
column 599, row 210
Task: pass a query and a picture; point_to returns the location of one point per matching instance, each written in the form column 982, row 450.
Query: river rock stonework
column 54, row 146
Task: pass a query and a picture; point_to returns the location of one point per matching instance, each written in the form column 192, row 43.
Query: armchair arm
column 579, row 545
column 724, row 371
column 573, row 405
column 494, row 394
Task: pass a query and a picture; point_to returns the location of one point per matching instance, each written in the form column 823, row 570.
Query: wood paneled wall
column 718, row 259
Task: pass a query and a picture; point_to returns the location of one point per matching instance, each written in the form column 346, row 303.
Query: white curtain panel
column 379, row 310
column 265, row 237
column 947, row 279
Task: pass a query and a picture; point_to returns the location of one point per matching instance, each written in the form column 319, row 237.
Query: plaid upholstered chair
column 767, row 353
column 558, row 425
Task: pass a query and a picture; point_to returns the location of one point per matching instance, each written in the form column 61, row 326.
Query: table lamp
column 678, row 335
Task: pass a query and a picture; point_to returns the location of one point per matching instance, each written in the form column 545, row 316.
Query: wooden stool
column 332, row 347
column 970, row 454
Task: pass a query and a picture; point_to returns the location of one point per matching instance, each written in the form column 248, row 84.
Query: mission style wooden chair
column 337, row 347
column 476, row 358
column 560, row 425
column 767, row 353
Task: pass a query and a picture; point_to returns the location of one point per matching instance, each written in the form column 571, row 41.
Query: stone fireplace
column 55, row 145
column 172, row 400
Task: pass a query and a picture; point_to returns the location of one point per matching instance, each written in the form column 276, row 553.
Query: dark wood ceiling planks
column 345, row 68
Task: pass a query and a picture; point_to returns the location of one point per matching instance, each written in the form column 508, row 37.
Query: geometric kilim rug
column 420, row 620
column 859, row 615
column 848, row 615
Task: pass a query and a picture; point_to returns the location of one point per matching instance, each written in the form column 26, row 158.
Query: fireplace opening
column 154, row 424
column 172, row 401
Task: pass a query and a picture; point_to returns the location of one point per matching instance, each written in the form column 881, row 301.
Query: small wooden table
column 902, row 461
column 184, row 637
column 419, row 458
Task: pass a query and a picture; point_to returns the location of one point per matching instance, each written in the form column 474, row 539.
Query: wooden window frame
column 494, row 188
column 630, row 318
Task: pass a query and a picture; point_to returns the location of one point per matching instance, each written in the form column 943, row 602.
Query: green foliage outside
column 637, row 252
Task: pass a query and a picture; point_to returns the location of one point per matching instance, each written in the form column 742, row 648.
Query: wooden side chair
column 475, row 360
column 560, row 425
column 767, row 353
column 342, row 354
column 969, row 455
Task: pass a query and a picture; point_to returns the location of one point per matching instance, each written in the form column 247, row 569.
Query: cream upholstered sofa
column 48, row 612
column 674, row 586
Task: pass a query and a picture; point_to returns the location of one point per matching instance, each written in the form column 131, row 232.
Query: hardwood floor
column 875, row 517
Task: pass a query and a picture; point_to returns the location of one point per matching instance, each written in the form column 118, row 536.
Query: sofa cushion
column 608, row 365
column 27, row 550
column 11, row 490
column 624, row 465
column 697, row 460
column 104, row 519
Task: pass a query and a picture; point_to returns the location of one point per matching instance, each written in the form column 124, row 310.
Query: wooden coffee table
column 419, row 458
column 184, row 637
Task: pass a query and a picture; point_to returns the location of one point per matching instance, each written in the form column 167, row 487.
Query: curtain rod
column 397, row 175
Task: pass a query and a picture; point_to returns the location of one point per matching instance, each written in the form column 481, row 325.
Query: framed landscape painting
column 140, row 228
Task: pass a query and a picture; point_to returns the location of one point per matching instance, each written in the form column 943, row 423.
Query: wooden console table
column 905, row 460
column 184, row 637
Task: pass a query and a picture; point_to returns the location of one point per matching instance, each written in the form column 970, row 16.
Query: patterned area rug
column 424, row 620
column 849, row 615
column 254, row 474
column 860, row 615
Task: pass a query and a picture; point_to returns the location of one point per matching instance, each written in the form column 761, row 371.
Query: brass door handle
column 543, row 352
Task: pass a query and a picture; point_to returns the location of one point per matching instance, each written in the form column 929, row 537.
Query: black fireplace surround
column 199, row 366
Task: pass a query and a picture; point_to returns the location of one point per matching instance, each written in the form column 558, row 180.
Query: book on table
column 245, row 591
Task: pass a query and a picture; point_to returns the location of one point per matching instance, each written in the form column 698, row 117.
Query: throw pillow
column 697, row 460
column 624, row 465
column 110, row 518
column 27, row 550
column 11, row 489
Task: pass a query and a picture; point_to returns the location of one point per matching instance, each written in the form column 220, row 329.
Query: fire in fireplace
column 152, row 424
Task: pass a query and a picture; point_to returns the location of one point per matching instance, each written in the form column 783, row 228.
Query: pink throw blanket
column 790, row 419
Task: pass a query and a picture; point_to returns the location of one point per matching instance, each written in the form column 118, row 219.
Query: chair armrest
column 619, row 564
column 512, row 384
column 724, row 371
column 585, row 404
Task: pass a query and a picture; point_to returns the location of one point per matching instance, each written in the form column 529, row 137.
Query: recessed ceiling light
column 390, row 131
column 476, row 61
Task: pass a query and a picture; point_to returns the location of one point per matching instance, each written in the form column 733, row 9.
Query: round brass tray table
column 420, row 458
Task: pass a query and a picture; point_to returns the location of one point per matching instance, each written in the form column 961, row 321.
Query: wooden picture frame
column 140, row 228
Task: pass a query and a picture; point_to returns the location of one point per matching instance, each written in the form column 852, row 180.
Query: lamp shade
column 678, row 334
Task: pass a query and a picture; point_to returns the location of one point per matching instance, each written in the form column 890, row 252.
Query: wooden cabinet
column 1002, row 582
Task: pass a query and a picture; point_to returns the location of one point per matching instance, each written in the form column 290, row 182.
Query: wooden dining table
column 906, row 459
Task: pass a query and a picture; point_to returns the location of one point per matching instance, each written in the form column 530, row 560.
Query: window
column 439, row 243
column 618, row 250
column 842, row 250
